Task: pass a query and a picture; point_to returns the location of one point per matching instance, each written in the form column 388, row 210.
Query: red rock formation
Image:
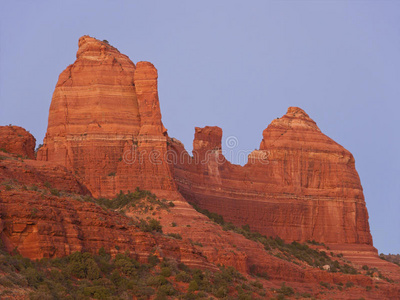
column 33, row 174
column 105, row 122
column 231, row 249
column 105, row 126
column 300, row 185
column 39, row 224
column 17, row 140
column 105, row 135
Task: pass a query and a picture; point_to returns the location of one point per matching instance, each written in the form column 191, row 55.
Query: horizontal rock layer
column 105, row 122
column 105, row 135
column 300, row 185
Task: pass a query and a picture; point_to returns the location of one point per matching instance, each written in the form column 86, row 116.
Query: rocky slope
column 45, row 212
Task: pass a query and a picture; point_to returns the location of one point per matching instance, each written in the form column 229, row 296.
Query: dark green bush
column 47, row 184
column 193, row 286
column 183, row 276
column 157, row 281
column 166, row 272
column 221, row 292
column 55, row 192
column 285, row 290
column 175, row 235
column 153, row 260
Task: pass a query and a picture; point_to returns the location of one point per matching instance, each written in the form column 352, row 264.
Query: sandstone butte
column 105, row 134
column 104, row 113
column 300, row 184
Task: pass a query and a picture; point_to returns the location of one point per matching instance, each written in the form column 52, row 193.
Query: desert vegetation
column 101, row 276
column 293, row 252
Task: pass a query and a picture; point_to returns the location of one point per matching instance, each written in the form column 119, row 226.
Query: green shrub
column 126, row 266
column 166, row 272
column 193, row 286
column 183, row 276
column 97, row 292
column 175, row 235
column 166, row 289
column 285, row 290
column 153, row 260
column 326, row 285
column 47, row 184
column 158, row 280
column 221, row 292
column 55, row 192
column 306, row 295
column 152, row 225
column 144, row 291
column 82, row 265
column 257, row 284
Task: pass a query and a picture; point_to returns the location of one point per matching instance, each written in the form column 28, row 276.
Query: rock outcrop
column 105, row 122
column 105, row 135
column 17, row 140
column 43, row 213
column 300, row 185
column 105, row 127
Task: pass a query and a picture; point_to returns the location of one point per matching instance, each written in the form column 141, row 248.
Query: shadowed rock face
column 104, row 118
column 17, row 140
column 300, row 185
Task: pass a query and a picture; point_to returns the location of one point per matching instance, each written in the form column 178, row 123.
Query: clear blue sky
column 235, row 64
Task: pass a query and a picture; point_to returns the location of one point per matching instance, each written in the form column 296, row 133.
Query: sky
column 233, row 64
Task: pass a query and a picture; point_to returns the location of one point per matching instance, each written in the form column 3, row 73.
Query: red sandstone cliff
column 300, row 185
column 105, row 135
column 17, row 140
column 42, row 214
column 105, row 122
column 105, row 126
